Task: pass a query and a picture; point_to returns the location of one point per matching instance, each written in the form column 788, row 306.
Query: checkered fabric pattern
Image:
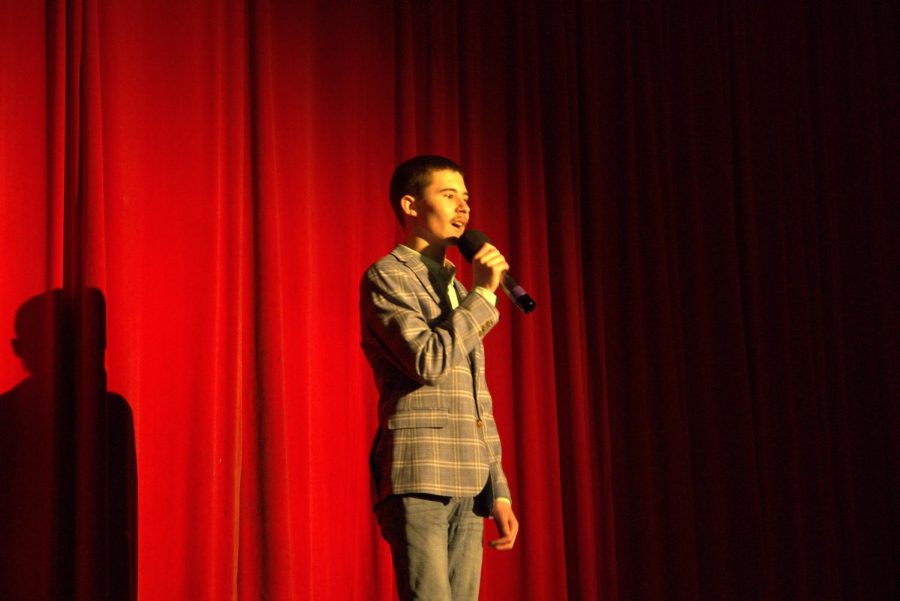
column 436, row 430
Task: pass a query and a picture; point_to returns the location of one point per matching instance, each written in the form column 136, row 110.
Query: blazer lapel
column 409, row 258
column 474, row 356
column 460, row 290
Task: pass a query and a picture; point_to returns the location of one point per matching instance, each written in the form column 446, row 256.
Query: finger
column 485, row 250
column 492, row 256
column 495, row 261
column 500, row 265
column 488, row 257
column 490, row 260
column 502, row 544
column 502, row 540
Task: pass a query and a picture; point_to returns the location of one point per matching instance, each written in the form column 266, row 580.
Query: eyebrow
column 454, row 190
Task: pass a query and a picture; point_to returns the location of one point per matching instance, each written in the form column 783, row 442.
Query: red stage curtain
column 699, row 195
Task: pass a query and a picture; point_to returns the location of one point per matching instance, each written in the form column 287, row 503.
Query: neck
column 436, row 252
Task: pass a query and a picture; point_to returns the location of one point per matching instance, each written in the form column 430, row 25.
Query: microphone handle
column 516, row 293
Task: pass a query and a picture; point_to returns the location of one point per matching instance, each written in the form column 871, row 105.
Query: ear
column 408, row 205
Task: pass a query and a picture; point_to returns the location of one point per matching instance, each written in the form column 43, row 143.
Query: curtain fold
column 699, row 196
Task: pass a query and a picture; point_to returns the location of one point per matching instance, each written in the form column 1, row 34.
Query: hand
column 488, row 267
column 507, row 526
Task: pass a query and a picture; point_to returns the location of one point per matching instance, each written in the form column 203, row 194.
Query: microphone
column 469, row 243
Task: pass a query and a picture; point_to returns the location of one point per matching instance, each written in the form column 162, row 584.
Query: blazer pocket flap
column 427, row 418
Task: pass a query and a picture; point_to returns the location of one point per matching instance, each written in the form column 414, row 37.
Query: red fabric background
column 699, row 195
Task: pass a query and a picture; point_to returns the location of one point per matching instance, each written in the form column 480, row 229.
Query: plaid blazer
column 436, row 430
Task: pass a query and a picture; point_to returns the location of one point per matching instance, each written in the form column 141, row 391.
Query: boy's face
column 439, row 217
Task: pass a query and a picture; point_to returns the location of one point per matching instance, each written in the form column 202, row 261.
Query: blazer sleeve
column 391, row 298
column 498, row 481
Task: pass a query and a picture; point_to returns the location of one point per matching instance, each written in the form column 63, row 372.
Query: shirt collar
column 444, row 273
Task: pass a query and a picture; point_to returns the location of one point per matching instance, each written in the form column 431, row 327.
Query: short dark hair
column 413, row 175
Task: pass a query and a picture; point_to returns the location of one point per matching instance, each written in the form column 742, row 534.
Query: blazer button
column 479, row 423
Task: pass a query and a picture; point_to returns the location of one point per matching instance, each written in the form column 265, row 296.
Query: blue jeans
column 436, row 544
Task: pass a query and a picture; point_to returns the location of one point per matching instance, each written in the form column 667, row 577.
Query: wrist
column 488, row 294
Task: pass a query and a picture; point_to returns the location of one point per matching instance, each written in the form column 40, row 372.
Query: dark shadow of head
column 38, row 332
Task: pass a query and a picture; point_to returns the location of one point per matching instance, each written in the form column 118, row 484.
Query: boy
column 436, row 456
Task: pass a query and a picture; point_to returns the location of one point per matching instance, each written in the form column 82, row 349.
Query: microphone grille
column 470, row 242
